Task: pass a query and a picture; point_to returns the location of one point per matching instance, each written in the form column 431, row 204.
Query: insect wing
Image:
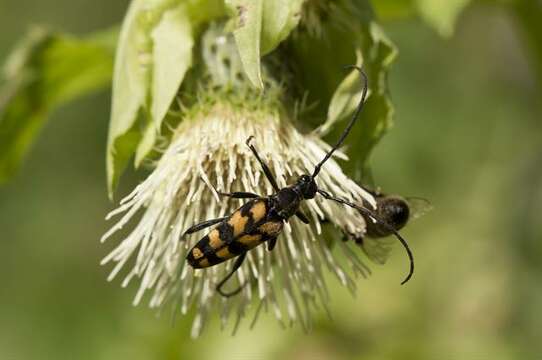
column 418, row 207
column 377, row 250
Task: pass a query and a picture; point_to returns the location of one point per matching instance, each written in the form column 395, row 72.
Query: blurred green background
column 468, row 136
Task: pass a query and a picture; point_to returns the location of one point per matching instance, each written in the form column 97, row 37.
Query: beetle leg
column 203, row 225
column 239, row 195
column 302, row 217
column 265, row 168
column 236, row 266
column 271, row 243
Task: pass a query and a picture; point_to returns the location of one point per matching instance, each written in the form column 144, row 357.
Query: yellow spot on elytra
column 258, row 211
column 204, row 263
column 196, row 253
column 214, row 239
column 238, row 222
column 271, row 228
column 224, row 253
column 250, row 240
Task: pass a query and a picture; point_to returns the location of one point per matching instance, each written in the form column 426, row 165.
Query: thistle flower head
column 208, row 151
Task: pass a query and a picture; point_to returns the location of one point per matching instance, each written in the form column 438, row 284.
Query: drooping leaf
column 260, row 25
column 345, row 98
column 46, row 70
column 172, row 56
column 378, row 53
column 280, row 17
column 130, row 86
column 247, row 35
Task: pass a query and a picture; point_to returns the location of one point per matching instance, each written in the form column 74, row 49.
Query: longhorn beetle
column 262, row 218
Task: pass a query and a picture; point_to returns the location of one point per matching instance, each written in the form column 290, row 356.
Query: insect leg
column 238, row 194
column 203, row 225
column 265, row 168
column 271, row 243
column 236, row 266
column 302, row 217
column 370, row 214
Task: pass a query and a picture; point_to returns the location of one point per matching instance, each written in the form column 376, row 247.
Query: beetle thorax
column 287, row 202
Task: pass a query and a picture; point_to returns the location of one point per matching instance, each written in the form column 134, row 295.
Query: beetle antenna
column 370, row 214
column 350, row 124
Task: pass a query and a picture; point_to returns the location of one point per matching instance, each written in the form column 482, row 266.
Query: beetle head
column 306, row 186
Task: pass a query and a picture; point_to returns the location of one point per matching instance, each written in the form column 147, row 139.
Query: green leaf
column 130, row 85
column 441, row 15
column 378, row 53
column 345, row 99
column 247, row 35
column 47, row 70
column 349, row 27
column 260, row 26
column 172, row 56
column 280, row 17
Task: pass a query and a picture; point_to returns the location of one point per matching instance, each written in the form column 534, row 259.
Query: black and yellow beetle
column 261, row 219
